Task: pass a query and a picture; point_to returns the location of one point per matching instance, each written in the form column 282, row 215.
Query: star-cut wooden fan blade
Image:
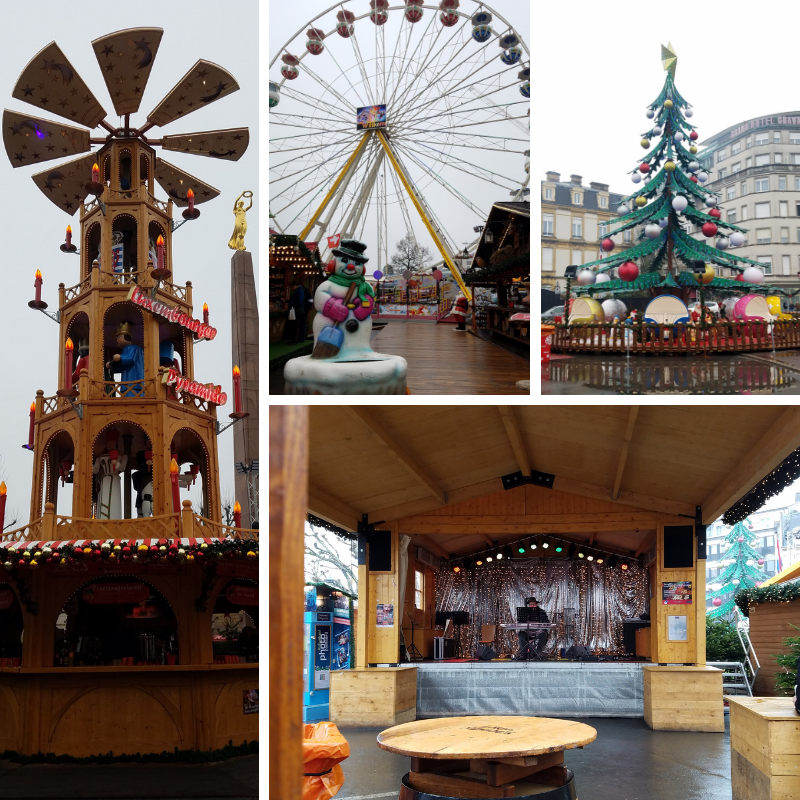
column 125, row 59
column 64, row 184
column 228, row 144
column 32, row 140
column 175, row 182
column 200, row 86
column 51, row 83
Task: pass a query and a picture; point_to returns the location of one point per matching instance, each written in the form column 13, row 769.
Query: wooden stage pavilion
column 621, row 478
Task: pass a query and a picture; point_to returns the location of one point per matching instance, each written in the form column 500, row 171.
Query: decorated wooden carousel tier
column 130, row 624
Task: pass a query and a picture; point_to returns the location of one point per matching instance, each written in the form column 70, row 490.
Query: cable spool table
column 487, row 757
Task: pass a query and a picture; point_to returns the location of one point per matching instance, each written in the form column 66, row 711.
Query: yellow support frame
column 336, row 183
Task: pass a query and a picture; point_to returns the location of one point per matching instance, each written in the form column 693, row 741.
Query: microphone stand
column 412, row 652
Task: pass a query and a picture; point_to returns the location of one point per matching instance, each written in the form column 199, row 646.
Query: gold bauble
column 706, row 277
column 668, row 104
column 641, row 201
column 645, row 143
column 692, row 149
column 670, row 166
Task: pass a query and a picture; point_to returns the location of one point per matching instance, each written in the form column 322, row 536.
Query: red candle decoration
column 205, row 313
column 3, row 491
column 237, row 390
column 160, row 251
column 176, row 489
column 68, row 366
column 190, row 198
column 95, row 173
column 237, row 514
column 69, row 235
column 37, row 284
column 30, row 430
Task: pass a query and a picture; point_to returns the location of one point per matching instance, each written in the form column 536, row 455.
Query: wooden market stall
column 290, row 259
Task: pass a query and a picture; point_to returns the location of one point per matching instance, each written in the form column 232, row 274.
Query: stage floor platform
column 530, row 688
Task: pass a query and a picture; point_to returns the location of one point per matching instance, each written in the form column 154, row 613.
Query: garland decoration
column 318, row 522
column 774, row 593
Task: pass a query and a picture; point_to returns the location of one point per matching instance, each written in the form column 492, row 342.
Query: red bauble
column 644, row 168
column 709, row 229
column 715, row 212
column 739, row 277
column 607, row 245
column 628, row 271
column 740, row 539
column 717, row 602
column 693, row 136
column 693, row 179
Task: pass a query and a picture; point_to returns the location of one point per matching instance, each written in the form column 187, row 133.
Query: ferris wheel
column 413, row 107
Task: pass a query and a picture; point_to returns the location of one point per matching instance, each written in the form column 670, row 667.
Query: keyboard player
column 538, row 638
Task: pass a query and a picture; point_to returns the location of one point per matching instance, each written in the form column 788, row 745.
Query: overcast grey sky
column 338, row 66
column 33, row 228
column 736, row 61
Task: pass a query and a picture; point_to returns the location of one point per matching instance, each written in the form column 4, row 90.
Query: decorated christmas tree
column 671, row 199
column 742, row 571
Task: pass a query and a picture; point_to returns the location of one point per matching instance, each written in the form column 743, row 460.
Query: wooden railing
column 32, row 532
column 128, row 390
column 51, row 404
column 77, row 290
column 162, row 527
column 675, row 339
column 206, row 528
column 122, row 278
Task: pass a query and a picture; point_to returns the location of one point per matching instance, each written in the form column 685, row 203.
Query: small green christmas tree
column 669, row 201
column 742, row 570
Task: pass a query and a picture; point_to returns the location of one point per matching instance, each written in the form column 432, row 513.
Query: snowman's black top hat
column 352, row 249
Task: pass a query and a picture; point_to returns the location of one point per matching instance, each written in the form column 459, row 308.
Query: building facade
column 755, row 168
column 575, row 219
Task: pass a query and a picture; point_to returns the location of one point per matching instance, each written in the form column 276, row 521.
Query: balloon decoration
column 717, row 601
column 437, row 275
column 377, row 274
column 406, row 273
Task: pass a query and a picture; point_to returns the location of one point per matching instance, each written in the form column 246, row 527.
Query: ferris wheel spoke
column 336, row 94
column 306, row 135
column 346, row 151
column 410, row 60
column 275, row 167
column 328, row 88
column 301, row 116
column 361, row 66
column 301, row 97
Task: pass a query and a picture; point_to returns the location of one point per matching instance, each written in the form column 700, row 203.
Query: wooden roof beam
column 782, row 439
column 623, row 453
column 332, row 509
column 434, row 547
column 398, row 452
column 515, row 438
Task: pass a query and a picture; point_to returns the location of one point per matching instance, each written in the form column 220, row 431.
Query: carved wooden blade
column 64, row 184
column 175, row 182
column 228, row 144
column 200, row 86
column 51, row 83
column 32, row 140
column 125, row 59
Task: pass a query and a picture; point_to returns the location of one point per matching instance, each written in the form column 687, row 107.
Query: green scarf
column 363, row 288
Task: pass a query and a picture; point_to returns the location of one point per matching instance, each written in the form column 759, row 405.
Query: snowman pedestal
column 379, row 374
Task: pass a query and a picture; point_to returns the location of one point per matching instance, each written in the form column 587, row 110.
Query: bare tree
column 327, row 560
column 227, row 506
column 409, row 256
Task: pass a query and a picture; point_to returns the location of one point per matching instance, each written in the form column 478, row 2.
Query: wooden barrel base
column 565, row 792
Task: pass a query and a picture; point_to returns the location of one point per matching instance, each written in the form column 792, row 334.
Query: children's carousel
column 108, row 615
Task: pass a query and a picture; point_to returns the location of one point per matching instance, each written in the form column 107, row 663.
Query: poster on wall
column 384, row 617
column 676, row 629
column 676, row 593
column 341, row 643
column 250, row 701
column 322, row 656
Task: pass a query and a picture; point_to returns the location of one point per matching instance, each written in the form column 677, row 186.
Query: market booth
column 643, row 498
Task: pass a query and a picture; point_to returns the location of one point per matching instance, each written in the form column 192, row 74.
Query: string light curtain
column 588, row 602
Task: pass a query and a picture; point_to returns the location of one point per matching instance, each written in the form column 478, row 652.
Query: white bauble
column 586, row 277
column 735, row 581
column 657, row 131
column 623, row 210
column 636, row 177
column 650, row 113
column 602, row 277
column 715, row 587
column 613, row 308
column 711, row 201
column 737, row 239
column 678, row 137
column 662, row 223
column 753, row 275
column 721, row 243
column 688, row 112
column 679, row 202
column 702, row 177
column 652, row 231
column 694, row 166
column 749, row 562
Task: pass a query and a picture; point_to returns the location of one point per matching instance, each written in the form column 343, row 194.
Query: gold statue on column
column 240, row 227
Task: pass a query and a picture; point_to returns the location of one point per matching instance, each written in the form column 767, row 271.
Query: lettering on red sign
column 142, row 300
column 213, row 394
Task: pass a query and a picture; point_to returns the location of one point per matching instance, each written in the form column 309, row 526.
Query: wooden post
column 187, row 520
column 288, row 495
column 126, row 477
column 49, row 522
column 363, row 621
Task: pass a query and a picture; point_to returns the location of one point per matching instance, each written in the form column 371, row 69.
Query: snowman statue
column 343, row 361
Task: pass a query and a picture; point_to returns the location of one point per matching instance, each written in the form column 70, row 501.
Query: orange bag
column 323, row 748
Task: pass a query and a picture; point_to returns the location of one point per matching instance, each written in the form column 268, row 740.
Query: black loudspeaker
column 578, row 652
column 380, row 551
column 678, row 546
column 485, row 652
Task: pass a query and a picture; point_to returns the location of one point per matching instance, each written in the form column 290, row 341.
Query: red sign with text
column 110, row 593
column 246, row 595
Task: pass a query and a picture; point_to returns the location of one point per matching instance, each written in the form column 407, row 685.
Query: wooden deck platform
column 441, row 361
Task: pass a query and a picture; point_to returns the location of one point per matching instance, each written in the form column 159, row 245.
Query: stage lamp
column 499, row 555
column 600, row 559
column 581, row 554
column 545, row 544
column 559, row 548
column 590, row 557
column 478, row 562
column 533, row 544
column 456, row 568
column 521, row 547
column 488, row 559
column 623, row 565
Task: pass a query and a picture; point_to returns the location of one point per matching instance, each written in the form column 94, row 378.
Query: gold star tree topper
column 669, row 59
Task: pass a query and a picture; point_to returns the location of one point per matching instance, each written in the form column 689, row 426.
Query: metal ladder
column 739, row 677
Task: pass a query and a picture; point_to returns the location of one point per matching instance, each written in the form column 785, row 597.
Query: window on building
column 786, row 263
column 782, row 183
column 762, row 138
column 419, row 590
column 748, row 162
column 603, row 202
column 797, row 184
column 736, row 167
column 777, row 158
column 797, row 205
column 577, row 228
column 744, row 213
column 769, row 541
column 577, row 199
column 763, row 235
column 730, row 193
column 762, row 184
column 732, row 217
column 601, row 230
column 770, row 565
column 762, row 161
column 577, row 257
column 547, row 259
column 784, row 236
column 766, row 264
column 749, row 142
column 743, row 188
column 723, row 173
column 776, row 137
column 795, row 158
column 722, row 154
column 736, row 147
column 762, row 210
column 548, row 193
column 547, row 224
column 626, row 236
column 794, row 138
column 783, row 207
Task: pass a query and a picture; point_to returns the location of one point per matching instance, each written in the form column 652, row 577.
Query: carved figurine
column 129, row 361
column 240, row 227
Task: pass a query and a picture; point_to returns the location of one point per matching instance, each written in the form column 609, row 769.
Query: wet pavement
column 627, row 761
column 762, row 373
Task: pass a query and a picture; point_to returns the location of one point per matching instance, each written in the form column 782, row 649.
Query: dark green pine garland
column 775, row 593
